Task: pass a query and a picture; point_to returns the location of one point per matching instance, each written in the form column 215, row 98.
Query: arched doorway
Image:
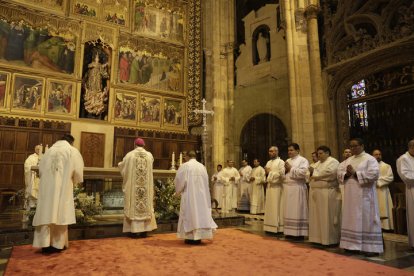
column 261, row 132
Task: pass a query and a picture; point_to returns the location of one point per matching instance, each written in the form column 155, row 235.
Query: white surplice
column 217, row 189
column 405, row 168
column 361, row 225
column 31, row 180
column 324, row 203
column 384, row 196
column 229, row 189
column 274, row 205
column 296, row 198
column 244, row 189
column 60, row 168
column 195, row 221
column 138, row 188
column 257, row 194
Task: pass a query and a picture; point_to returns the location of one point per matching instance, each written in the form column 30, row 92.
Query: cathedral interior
column 272, row 72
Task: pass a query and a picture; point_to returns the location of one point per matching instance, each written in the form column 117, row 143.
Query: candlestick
column 173, row 161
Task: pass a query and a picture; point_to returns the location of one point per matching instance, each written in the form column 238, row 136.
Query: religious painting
column 163, row 19
column 27, row 93
column 150, row 110
column 60, row 97
column 37, row 47
column 87, row 8
column 116, row 12
column 57, row 6
column 174, row 113
column 95, row 80
column 152, row 66
column 4, row 85
column 125, row 107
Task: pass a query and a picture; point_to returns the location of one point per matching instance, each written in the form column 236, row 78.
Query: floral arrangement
column 167, row 204
column 85, row 205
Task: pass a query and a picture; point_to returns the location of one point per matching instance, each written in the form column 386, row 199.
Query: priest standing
column 31, row 180
column 138, row 188
column 383, row 192
column 361, row 225
column 191, row 182
column 229, row 176
column 60, row 168
column 257, row 180
column 405, row 168
column 296, row 194
column 274, row 204
column 324, row 199
column 243, row 203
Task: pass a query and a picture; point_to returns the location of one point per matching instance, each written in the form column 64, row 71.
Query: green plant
column 85, row 205
column 167, row 204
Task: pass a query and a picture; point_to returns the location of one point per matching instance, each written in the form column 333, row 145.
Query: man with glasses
column 361, row 225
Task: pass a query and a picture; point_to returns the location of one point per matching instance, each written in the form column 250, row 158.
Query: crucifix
column 204, row 112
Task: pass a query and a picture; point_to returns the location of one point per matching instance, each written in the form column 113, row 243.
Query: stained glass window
column 358, row 90
column 357, row 111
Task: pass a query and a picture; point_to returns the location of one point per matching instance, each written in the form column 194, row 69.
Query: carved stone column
column 299, row 80
column 319, row 107
column 219, row 82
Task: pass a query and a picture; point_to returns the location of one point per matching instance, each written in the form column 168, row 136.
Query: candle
column 181, row 158
column 173, row 161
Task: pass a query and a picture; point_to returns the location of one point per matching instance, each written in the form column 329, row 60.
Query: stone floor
column 397, row 253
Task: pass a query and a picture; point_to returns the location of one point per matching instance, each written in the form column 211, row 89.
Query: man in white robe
column 324, row 199
column 296, row 222
column 138, row 188
column 361, row 225
column 274, row 204
column 191, row 182
column 405, row 168
column 217, row 187
column 60, row 168
column 243, row 202
column 383, row 192
column 257, row 180
column 229, row 176
column 31, row 180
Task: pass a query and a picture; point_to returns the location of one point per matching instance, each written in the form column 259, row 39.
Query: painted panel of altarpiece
column 27, row 93
column 174, row 113
column 150, row 110
column 125, row 107
column 116, row 12
column 29, row 40
column 150, row 65
column 55, row 6
column 60, row 98
column 4, row 88
column 161, row 19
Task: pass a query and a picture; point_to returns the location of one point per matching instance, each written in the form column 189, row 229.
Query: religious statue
column 262, row 42
column 96, row 94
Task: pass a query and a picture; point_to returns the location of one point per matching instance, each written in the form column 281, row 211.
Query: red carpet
column 232, row 252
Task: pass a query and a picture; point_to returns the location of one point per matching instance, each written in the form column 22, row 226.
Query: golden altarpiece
column 105, row 71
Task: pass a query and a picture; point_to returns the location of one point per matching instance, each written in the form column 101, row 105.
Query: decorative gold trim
column 194, row 63
column 50, row 6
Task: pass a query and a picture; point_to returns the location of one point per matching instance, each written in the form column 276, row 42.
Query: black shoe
column 143, row 235
column 370, row 254
column 51, row 250
column 193, row 242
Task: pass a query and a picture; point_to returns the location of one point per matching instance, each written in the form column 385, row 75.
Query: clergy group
column 329, row 202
